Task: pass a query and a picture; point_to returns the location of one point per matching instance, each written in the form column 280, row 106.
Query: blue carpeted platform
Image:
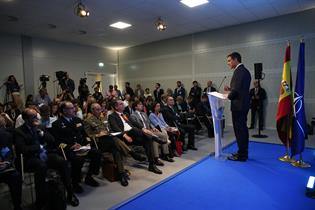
column 263, row 183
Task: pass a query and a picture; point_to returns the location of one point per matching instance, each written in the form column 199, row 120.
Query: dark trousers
column 77, row 163
column 239, row 120
column 14, row 180
column 190, row 129
column 143, row 140
column 254, row 111
column 209, row 125
column 40, row 167
column 108, row 144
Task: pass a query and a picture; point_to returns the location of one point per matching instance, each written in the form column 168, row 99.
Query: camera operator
column 67, row 85
column 83, row 90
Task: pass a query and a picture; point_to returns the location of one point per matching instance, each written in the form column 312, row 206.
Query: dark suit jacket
column 158, row 94
column 205, row 90
column 256, row 103
column 129, row 91
column 28, row 143
column 180, row 92
column 116, row 124
column 196, row 95
column 239, row 85
column 170, row 116
column 69, row 132
column 127, row 111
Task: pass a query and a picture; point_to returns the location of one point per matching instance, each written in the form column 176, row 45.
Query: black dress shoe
column 158, row 162
column 154, row 169
column 124, row 179
column 168, row 158
column 91, row 181
column 73, row 200
column 137, row 156
column 192, row 147
column 158, row 140
column 77, row 188
column 237, row 158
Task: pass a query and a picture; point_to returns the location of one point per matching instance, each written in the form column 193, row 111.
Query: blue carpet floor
column 262, row 182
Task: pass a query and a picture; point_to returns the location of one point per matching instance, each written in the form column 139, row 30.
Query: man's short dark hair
column 236, row 55
column 114, row 104
column 136, row 104
column 127, row 83
column 63, row 105
column 158, row 84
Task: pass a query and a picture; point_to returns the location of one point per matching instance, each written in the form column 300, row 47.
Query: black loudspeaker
column 258, row 70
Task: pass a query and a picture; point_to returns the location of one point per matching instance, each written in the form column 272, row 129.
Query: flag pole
column 286, row 157
column 300, row 163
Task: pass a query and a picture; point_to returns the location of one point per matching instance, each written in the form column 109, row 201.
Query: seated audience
column 96, row 128
column 203, row 112
column 39, row 151
column 8, row 173
column 157, row 120
column 69, row 131
column 140, row 120
column 172, row 118
column 118, row 122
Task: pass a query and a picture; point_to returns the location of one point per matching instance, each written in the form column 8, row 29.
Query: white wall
column 10, row 60
column 202, row 56
column 49, row 56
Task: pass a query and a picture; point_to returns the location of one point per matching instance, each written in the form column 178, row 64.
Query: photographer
column 83, row 91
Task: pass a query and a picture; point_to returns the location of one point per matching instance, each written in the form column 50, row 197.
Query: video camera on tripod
column 43, row 79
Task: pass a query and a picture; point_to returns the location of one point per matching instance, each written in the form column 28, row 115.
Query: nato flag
column 299, row 123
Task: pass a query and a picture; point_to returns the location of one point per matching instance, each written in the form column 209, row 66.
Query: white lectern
column 217, row 101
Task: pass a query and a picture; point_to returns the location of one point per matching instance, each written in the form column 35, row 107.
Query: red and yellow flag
column 285, row 104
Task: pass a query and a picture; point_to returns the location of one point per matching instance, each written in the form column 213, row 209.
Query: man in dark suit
column 172, row 118
column 179, row 90
column 38, row 149
column 195, row 93
column 128, row 90
column 158, row 92
column 238, row 93
column 69, row 130
column 118, row 122
column 257, row 97
column 209, row 88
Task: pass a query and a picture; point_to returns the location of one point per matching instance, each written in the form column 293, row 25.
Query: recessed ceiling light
column 101, row 64
column 194, row 3
column 120, row 25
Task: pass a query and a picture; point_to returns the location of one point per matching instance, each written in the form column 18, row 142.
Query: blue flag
column 299, row 123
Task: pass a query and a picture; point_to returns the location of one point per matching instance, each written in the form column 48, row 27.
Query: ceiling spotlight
column 160, row 24
column 81, row 10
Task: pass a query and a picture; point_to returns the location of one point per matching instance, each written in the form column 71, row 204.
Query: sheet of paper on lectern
column 219, row 95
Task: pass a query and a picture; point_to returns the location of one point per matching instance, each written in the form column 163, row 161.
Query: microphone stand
column 221, row 83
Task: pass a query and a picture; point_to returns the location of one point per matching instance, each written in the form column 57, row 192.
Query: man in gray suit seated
column 140, row 120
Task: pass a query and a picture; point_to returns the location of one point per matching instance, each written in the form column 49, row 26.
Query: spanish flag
column 285, row 104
